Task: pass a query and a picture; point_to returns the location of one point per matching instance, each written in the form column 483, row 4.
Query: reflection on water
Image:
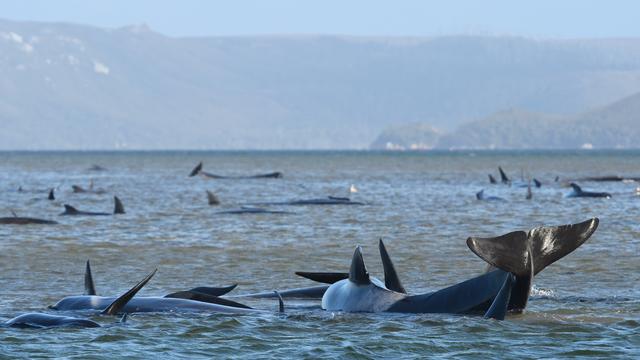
column 422, row 204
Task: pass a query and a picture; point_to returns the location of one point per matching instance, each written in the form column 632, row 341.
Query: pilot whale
column 480, row 196
column 578, row 192
column 90, row 190
column 253, row 210
column 118, row 209
column 514, row 259
column 194, row 300
column 329, row 200
column 42, row 320
column 198, row 171
column 20, row 220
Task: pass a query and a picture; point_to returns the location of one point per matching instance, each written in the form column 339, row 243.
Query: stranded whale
column 514, row 258
column 329, row 200
column 198, row 171
column 42, row 320
column 118, row 209
column 19, row 220
column 480, row 196
column 578, row 192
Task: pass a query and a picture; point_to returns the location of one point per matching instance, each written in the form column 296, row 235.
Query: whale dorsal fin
column 196, row 169
column 576, row 188
column 537, row 183
column 280, row 302
column 89, row 287
column 391, row 279
column 323, row 277
column 118, row 304
column 119, row 208
column 77, row 189
column 509, row 252
column 68, row 209
column 480, row 194
column 503, row 176
column 212, row 198
column 492, row 180
column 51, row 196
column 358, row 272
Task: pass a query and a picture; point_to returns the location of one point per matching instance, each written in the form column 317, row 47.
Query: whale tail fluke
column 51, row 195
column 500, row 304
column 69, row 210
column 391, row 279
column 358, row 272
column 546, row 245
column 551, row 243
column 196, row 170
column 119, row 208
column 212, row 198
column 89, row 287
column 118, row 304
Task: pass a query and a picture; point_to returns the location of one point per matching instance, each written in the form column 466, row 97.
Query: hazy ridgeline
column 77, row 87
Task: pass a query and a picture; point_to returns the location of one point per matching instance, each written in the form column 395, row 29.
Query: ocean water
column 422, row 204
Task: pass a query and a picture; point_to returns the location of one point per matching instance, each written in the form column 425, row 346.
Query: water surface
column 422, row 204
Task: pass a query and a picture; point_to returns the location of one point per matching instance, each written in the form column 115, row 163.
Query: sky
column 541, row 18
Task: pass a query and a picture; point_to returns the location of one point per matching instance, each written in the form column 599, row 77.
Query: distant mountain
column 613, row 126
column 65, row 86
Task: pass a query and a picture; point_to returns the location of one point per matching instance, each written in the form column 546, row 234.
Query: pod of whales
column 70, row 210
column 578, row 192
column 514, row 259
column 200, row 299
column 198, row 171
column 42, row 320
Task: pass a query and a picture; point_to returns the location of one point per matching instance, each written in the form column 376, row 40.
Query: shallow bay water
column 422, row 204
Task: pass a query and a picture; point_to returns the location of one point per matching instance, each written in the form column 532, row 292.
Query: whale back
column 70, row 210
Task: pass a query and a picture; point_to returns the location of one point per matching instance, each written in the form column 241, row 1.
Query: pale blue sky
column 541, row 18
